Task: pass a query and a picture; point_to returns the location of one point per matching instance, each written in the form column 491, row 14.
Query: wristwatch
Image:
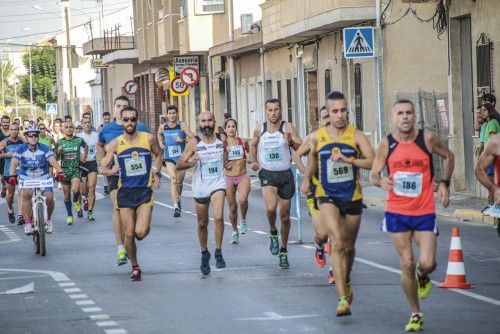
column 446, row 183
column 158, row 174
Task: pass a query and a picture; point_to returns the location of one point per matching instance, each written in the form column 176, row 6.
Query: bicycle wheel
column 36, row 242
column 41, row 228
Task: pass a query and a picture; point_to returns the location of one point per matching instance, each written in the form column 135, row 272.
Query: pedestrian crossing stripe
column 358, row 42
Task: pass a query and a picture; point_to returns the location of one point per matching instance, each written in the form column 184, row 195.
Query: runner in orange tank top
column 410, row 212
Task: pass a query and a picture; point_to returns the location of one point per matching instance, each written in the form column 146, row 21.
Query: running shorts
column 134, row 198
column 88, row 167
column 395, row 223
column 283, row 180
column 71, row 174
column 353, row 208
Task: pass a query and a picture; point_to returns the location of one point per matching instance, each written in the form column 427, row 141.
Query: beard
column 207, row 130
column 130, row 129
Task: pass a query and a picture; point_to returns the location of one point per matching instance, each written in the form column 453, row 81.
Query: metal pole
column 379, row 61
column 31, row 74
column 70, row 64
column 3, row 90
column 15, row 97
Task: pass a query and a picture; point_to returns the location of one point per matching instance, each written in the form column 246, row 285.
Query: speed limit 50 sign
column 178, row 88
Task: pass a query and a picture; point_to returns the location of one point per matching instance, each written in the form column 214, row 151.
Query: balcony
column 104, row 45
column 285, row 21
column 168, row 35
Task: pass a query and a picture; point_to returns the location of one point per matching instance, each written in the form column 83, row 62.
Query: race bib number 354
column 135, row 166
column 407, row 184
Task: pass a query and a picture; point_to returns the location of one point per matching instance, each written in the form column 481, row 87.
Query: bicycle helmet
column 32, row 128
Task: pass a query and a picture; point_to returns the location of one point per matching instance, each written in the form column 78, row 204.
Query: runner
column 172, row 137
column 206, row 153
column 34, row 161
column 56, row 129
column 8, row 146
column 89, row 169
column 68, row 149
column 337, row 152
column 320, row 232
column 4, row 133
column 45, row 136
column 106, row 118
column 273, row 141
column 109, row 132
column 135, row 196
column 236, row 157
column 410, row 210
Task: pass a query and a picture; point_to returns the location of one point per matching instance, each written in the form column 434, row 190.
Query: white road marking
column 66, row 284
column 115, row 331
column 276, row 316
column 91, row 309
column 29, row 288
column 308, row 246
column 19, row 277
column 99, row 317
column 12, row 236
column 84, row 302
column 463, row 292
column 70, row 290
column 79, row 296
column 106, row 323
column 259, row 232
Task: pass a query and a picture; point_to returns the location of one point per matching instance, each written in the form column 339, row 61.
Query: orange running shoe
column 331, row 278
column 320, row 258
column 328, row 249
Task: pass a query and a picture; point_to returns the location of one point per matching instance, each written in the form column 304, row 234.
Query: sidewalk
column 462, row 206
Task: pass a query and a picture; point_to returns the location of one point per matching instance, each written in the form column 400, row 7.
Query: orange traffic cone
column 455, row 273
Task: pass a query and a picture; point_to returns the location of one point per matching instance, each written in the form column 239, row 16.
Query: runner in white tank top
column 206, row 154
column 272, row 141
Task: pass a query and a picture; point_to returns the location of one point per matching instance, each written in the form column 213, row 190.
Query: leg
column 202, row 215
column 243, row 191
column 271, row 200
column 217, row 201
column 171, row 171
column 117, row 226
column 75, row 188
column 127, row 216
column 426, row 241
column 91, row 183
column 320, row 233
column 350, row 231
column 233, row 207
column 403, row 244
column 180, row 181
column 285, row 221
column 49, row 200
column 143, row 221
column 10, row 196
column 83, row 186
column 27, row 194
column 67, row 198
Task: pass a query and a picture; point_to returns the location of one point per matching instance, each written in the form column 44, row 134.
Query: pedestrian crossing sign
column 51, row 108
column 359, row 42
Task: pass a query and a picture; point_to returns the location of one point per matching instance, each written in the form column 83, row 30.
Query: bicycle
column 39, row 211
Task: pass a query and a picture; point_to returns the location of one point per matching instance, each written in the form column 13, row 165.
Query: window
column 278, row 89
column 483, row 62
column 269, row 89
column 209, row 7
column 289, row 108
column 358, row 98
column 228, row 95
column 328, row 82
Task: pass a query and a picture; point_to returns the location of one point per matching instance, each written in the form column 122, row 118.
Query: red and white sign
column 190, row 76
column 178, row 86
column 130, row 87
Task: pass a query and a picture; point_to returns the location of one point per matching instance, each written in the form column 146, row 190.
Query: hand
column 156, row 182
column 179, row 139
column 83, row 159
column 59, row 149
column 255, row 166
column 194, row 159
column 339, row 157
column 386, row 183
column 228, row 165
column 288, row 138
column 12, row 180
column 162, row 146
column 444, row 194
column 115, row 169
column 60, row 176
column 304, row 188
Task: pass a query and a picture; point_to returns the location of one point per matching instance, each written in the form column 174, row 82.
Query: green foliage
column 43, row 68
column 8, row 71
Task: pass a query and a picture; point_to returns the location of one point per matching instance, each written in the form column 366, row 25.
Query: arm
column 254, row 143
column 437, row 147
column 312, row 163
column 13, row 165
column 54, row 164
column 160, row 136
column 367, row 152
column 485, row 160
column 378, row 166
column 187, row 131
column 189, row 157
column 293, row 138
column 108, row 158
column 301, row 151
column 4, row 154
column 100, row 151
column 85, row 151
column 158, row 153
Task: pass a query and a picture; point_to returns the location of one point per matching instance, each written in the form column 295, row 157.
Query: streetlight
column 31, row 75
column 16, row 81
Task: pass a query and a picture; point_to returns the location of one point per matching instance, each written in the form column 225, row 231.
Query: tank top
column 208, row 172
column 411, row 169
column 338, row 180
column 10, row 146
column 274, row 152
column 91, row 140
column 237, row 151
column 135, row 162
column 173, row 148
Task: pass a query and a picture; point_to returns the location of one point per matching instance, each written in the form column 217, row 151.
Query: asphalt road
column 77, row 287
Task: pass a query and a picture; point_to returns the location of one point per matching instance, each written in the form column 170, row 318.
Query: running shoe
column 235, row 238
column 77, row 206
column 69, row 220
column 79, row 214
column 423, row 286
column 349, row 292
column 12, row 217
column 274, row 246
column 106, row 190
column 283, row 264
column 331, row 278
column 122, row 256
column 177, row 212
column 219, row 260
column 136, row 274
column 243, row 227
column 319, row 257
column 328, row 248
column 90, row 216
column 416, row 323
column 28, row 229
column 85, row 204
column 49, row 227
column 20, row 220
column 4, row 192
column 343, row 307
column 205, row 263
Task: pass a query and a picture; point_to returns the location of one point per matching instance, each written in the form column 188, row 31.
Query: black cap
column 488, row 98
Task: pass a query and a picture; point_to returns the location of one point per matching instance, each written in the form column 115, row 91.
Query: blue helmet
column 32, row 128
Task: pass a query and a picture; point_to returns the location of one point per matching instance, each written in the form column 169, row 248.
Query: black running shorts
column 134, row 198
column 283, row 180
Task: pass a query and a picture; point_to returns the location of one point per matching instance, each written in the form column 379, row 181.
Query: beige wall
column 117, row 76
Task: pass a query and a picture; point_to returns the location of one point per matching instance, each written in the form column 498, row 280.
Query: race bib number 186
column 407, row 184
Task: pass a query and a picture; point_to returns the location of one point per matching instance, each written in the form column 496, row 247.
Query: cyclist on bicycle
column 34, row 161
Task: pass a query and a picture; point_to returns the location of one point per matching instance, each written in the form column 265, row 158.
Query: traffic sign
column 359, row 42
column 182, row 62
column 190, row 76
column 130, row 87
column 51, row 108
column 178, row 88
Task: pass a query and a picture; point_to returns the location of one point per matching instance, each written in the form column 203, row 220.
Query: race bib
column 338, row 172
column 34, row 183
column 235, row 152
column 135, row 166
column 92, row 150
column 273, row 154
column 211, row 169
column 174, row 151
column 407, row 184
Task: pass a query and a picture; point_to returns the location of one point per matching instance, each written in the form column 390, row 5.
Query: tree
column 43, row 68
column 8, row 88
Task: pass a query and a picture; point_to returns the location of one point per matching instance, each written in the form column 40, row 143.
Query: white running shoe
column 28, row 229
column 49, row 227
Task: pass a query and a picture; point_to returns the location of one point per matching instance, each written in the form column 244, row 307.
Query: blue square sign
column 359, row 42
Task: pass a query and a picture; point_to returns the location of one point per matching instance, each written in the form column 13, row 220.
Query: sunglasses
column 129, row 119
column 32, row 135
column 42, row 129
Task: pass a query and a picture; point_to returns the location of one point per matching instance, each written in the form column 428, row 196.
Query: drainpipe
column 232, row 73
column 263, row 86
column 379, row 63
column 301, row 93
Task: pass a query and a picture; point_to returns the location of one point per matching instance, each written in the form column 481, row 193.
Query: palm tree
column 6, row 73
